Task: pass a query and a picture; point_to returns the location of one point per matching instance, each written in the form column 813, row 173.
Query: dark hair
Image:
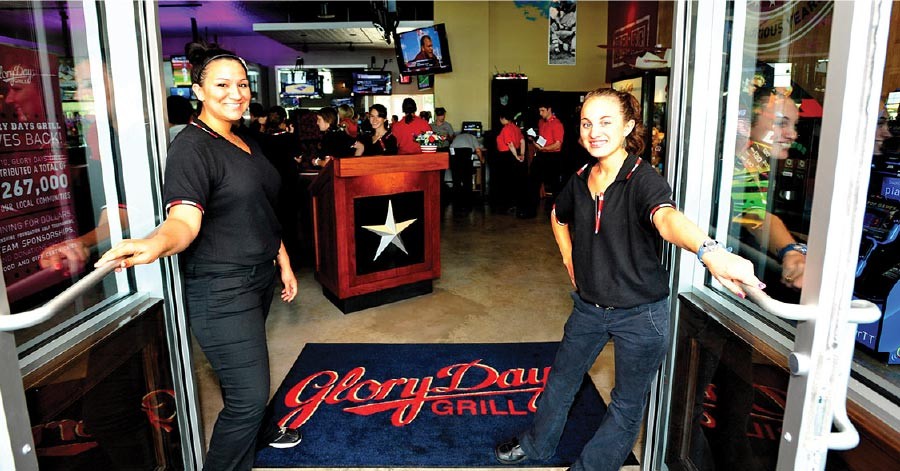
column 201, row 54
column 422, row 41
column 544, row 104
column 329, row 115
column 506, row 114
column 440, row 111
column 631, row 110
column 179, row 109
column 409, row 107
column 275, row 117
column 256, row 109
column 382, row 111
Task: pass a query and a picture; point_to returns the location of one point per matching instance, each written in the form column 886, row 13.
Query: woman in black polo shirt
column 220, row 194
column 607, row 221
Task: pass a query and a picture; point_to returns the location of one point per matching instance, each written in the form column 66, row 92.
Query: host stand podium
column 376, row 228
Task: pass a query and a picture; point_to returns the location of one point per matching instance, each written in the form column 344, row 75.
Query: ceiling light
column 323, row 12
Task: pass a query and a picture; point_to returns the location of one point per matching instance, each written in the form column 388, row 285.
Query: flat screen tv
column 423, row 51
column 425, row 81
column 299, row 83
column 372, row 83
column 182, row 91
column 181, row 71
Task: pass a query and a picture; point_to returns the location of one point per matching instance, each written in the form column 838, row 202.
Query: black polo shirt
column 614, row 241
column 237, row 193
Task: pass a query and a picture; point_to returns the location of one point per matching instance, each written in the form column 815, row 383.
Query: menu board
column 36, row 209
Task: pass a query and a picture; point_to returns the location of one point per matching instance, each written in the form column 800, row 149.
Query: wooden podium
column 376, row 228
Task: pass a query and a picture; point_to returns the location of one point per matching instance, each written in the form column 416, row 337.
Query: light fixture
column 324, row 13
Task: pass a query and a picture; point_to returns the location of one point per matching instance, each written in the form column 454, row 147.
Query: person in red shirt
column 408, row 128
column 348, row 121
column 509, row 172
column 546, row 167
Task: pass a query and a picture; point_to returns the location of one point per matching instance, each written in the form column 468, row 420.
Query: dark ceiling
column 236, row 18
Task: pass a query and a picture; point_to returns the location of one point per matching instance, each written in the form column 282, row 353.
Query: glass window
column 55, row 217
column 778, row 114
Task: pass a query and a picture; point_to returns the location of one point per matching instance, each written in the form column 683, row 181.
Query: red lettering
column 442, row 408
column 512, row 408
column 466, row 405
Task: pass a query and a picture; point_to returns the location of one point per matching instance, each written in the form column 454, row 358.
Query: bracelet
column 710, row 245
column 789, row 248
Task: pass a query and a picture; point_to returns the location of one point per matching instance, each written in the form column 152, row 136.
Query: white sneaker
column 286, row 438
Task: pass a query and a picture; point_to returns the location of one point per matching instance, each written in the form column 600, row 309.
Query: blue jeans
column 227, row 306
column 641, row 337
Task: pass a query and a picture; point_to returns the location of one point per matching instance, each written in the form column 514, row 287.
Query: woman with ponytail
column 220, row 196
column 607, row 222
column 408, row 128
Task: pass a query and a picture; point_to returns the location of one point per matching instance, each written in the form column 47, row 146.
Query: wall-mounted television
column 423, row 51
column 425, row 82
column 185, row 92
column 372, row 83
column 181, row 71
column 299, row 83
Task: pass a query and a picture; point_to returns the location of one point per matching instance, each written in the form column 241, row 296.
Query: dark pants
column 641, row 337
column 546, row 169
column 509, row 179
column 227, row 305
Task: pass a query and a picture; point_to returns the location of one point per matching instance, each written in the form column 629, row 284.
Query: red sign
column 36, row 208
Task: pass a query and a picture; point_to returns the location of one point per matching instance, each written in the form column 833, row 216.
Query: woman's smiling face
column 225, row 91
column 603, row 127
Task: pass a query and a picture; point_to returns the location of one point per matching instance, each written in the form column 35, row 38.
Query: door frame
column 856, row 64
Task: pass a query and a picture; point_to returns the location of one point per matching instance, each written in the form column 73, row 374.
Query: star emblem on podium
column 389, row 232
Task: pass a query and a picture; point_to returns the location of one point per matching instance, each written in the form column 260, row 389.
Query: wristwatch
column 709, row 245
column 791, row 247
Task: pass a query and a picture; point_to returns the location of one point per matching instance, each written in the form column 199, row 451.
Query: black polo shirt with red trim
column 614, row 242
column 236, row 191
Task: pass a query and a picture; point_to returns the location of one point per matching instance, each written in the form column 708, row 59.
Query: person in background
column 408, row 128
column 348, row 120
column 257, row 118
column 509, row 172
column 381, row 141
column 621, row 289
column 281, row 148
column 220, row 194
column 463, row 150
column 426, row 115
column 442, row 126
column 335, row 142
column 180, row 111
column 394, row 119
column 545, row 174
column 772, row 116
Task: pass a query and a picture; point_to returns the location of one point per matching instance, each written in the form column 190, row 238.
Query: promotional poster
column 36, row 208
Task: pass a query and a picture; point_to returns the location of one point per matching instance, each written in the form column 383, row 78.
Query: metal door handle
column 35, row 316
column 861, row 312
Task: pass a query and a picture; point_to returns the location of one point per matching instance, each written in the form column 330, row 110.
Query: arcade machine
column 878, row 270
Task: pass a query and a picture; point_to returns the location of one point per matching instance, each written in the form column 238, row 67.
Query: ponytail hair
column 631, row 110
column 201, row 54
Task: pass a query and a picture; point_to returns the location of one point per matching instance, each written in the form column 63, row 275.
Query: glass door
column 777, row 115
column 94, row 372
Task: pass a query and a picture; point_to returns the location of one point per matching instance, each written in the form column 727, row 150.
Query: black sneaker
column 286, row 438
column 510, row 452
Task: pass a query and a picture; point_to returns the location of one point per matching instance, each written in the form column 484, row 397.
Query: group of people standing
column 222, row 197
column 520, row 181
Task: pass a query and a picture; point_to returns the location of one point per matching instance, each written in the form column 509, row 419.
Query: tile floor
column 501, row 281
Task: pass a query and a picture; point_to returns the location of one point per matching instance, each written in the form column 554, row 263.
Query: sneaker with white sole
column 286, row 438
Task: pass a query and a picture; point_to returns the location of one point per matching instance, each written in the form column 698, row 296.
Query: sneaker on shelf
column 286, row 438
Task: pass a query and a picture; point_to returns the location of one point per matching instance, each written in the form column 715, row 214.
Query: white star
column 389, row 232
